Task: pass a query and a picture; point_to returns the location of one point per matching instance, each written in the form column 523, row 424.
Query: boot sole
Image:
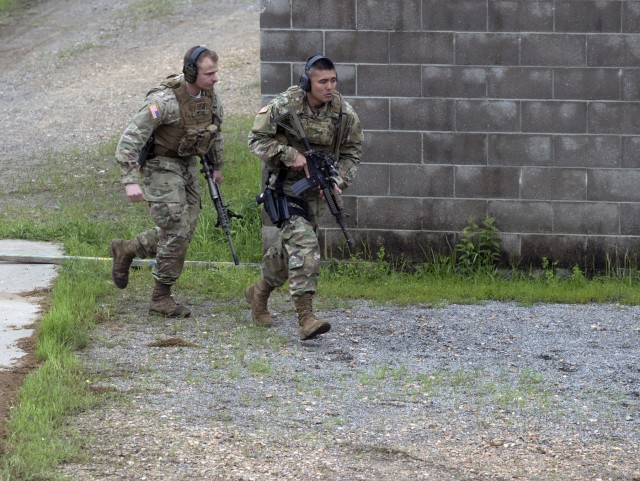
column 321, row 329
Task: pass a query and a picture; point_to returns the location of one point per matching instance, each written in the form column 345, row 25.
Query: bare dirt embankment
column 495, row 391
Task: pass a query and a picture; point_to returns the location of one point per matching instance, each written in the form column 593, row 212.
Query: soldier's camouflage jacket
column 183, row 126
column 277, row 147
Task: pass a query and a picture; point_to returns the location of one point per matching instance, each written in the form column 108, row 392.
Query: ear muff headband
column 305, row 81
column 190, row 70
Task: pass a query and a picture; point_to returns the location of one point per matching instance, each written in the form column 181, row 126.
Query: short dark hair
column 323, row 64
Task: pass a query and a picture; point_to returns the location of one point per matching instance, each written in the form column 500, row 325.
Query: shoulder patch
column 153, row 109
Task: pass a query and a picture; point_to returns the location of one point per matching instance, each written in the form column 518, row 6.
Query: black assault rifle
column 224, row 214
column 321, row 172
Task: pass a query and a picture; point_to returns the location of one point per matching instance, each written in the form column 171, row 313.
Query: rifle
column 321, row 172
column 224, row 214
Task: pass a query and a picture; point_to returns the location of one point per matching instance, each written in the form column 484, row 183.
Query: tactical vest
column 195, row 132
column 322, row 133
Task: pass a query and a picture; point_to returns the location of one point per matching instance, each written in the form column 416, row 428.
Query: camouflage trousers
column 172, row 190
column 295, row 255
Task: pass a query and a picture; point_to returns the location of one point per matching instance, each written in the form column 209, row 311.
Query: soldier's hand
column 134, row 192
column 217, row 176
column 300, row 163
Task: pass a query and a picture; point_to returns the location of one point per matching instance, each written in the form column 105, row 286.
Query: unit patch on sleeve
column 153, row 108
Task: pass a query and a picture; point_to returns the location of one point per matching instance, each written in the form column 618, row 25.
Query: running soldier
column 331, row 126
column 180, row 120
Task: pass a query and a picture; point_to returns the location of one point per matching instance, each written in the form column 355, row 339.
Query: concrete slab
column 17, row 311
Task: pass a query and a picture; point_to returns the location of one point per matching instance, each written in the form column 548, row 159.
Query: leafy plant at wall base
column 478, row 249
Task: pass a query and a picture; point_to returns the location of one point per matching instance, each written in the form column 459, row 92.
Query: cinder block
column 614, row 118
column 390, row 80
column 274, row 77
column 614, row 185
column 519, row 16
column 328, row 14
column 630, row 85
column 613, row 51
column 585, row 218
column 587, row 16
column 630, row 152
column 371, row 179
column 551, row 49
column 445, row 81
column 275, row 14
column 451, row 214
column 422, row 114
column 487, row 182
column 631, row 17
column 373, row 113
column 520, row 149
column 412, row 245
column 346, row 79
column 455, row 148
column 421, row 181
column 553, row 184
column 393, row 147
column 554, row 117
column 521, row 216
column 421, row 47
column 568, row 250
column 586, row 83
column 456, row 15
column 487, row 49
column 399, row 15
column 361, row 47
column 630, row 219
column 284, row 45
column 487, row 115
column 390, row 213
column 603, row 252
column 587, row 151
column 519, row 83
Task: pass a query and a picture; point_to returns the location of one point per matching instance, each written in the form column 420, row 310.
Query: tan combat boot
column 123, row 252
column 257, row 296
column 310, row 325
column 162, row 303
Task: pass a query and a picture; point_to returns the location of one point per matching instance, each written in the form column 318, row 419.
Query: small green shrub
column 478, row 250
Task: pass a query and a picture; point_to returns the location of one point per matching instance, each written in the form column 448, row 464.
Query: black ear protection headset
column 190, row 69
column 305, row 81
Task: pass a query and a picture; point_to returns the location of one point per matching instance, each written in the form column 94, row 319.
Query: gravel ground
column 493, row 391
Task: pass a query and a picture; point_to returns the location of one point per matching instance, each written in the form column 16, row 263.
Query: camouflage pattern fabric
column 295, row 255
column 173, row 192
column 160, row 107
column 171, row 186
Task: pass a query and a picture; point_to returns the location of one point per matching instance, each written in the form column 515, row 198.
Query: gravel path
column 493, row 391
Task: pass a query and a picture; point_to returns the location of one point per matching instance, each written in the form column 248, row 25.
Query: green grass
column 78, row 201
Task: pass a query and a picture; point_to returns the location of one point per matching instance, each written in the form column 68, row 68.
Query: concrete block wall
column 527, row 111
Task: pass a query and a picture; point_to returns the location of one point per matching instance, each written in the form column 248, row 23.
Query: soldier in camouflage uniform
column 184, row 116
column 331, row 125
